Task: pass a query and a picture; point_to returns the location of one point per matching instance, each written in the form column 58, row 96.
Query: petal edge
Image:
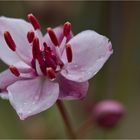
column 90, row 51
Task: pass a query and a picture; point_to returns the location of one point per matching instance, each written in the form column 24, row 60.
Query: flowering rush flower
column 45, row 68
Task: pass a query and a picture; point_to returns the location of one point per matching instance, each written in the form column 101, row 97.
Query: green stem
column 84, row 127
column 66, row 119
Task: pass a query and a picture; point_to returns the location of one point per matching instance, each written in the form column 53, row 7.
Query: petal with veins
column 18, row 29
column 70, row 90
column 30, row 97
column 90, row 51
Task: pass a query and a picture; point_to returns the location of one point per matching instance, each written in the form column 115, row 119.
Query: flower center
column 46, row 60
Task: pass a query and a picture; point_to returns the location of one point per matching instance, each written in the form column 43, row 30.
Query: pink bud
column 108, row 113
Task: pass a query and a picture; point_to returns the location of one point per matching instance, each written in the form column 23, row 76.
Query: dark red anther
column 69, row 52
column 33, row 21
column 14, row 70
column 53, row 36
column 36, row 48
column 51, row 73
column 66, row 28
column 30, row 36
column 9, row 40
column 46, row 47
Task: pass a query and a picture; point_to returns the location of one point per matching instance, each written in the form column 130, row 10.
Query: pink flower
column 108, row 113
column 43, row 69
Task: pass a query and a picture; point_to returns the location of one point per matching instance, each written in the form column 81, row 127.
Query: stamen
column 50, row 61
column 30, row 36
column 45, row 44
column 53, row 56
column 33, row 21
column 37, row 55
column 53, row 36
column 60, row 63
column 42, row 64
column 33, row 63
column 69, row 52
column 66, row 28
column 38, row 68
column 58, row 54
column 51, row 73
column 9, row 40
column 36, row 48
column 46, row 47
column 62, row 45
column 14, row 70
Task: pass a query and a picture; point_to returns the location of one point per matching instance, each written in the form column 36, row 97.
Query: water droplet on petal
column 25, row 103
column 75, row 66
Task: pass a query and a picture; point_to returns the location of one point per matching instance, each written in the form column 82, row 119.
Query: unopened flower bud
column 108, row 113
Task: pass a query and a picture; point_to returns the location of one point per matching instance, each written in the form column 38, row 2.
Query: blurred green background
column 119, row 78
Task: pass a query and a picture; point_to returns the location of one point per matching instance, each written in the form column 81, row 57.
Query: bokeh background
column 119, row 79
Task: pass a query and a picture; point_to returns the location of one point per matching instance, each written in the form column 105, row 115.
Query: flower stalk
column 66, row 119
column 85, row 126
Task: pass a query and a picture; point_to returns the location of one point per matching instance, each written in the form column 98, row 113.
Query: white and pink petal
column 7, row 78
column 18, row 29
column 90, row 51
column 25, row 70
column 70, row 90
column 29, row 97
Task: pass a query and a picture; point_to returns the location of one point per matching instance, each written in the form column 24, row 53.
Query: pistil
column 51, row 73
column 50, row 61
column 46, row 47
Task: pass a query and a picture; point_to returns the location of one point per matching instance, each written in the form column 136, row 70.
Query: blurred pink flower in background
column 45, row 68
column 108, row 113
